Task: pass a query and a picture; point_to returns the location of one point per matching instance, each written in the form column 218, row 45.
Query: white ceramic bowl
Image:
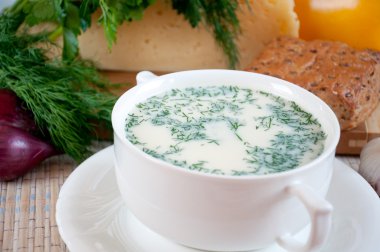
column 225, row 213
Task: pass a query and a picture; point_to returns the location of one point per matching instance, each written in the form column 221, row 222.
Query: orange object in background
column 355, row 22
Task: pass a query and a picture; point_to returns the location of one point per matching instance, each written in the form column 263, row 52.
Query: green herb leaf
column 87, row 7
column 72, row 19
column 71, row 30
column 41, row 11
column 109, row 21
column 70, row 44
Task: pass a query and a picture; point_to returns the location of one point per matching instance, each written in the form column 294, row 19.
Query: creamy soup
column 225, row 130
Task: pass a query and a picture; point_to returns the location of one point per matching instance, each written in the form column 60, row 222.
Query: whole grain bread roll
column 348, row 80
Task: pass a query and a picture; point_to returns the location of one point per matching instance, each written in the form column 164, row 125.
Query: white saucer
column 91, row 215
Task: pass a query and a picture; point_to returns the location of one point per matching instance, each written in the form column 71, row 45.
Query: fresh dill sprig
column 64, row 97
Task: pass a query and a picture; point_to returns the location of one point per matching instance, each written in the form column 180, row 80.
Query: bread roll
column 164, row 40
column 346, row 79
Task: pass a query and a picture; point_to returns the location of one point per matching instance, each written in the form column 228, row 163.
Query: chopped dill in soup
column 225, row 130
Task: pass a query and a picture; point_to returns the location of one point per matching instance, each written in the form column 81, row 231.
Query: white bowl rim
column 165, row 165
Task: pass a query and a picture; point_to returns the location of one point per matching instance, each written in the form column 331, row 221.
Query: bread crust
column 348, row 80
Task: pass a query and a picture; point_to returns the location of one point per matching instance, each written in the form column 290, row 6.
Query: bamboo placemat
column 27, row 208
column 27, row 205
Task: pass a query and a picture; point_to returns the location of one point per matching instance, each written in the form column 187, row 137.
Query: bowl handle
column 144, row 76
column 320, row 212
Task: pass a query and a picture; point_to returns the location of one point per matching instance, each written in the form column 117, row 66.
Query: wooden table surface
column 27, row 205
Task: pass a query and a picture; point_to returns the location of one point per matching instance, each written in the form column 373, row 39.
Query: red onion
column 20, row 147
column 20, row 152
column 14, row 113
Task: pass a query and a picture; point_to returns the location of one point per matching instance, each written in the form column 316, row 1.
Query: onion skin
column 14, row 113
column 20, row 152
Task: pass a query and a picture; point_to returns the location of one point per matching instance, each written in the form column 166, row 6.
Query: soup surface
column 225, row 130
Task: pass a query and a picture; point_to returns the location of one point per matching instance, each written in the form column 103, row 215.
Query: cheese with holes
column 164, row 40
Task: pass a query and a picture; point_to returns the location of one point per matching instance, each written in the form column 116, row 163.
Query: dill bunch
column 67, row 98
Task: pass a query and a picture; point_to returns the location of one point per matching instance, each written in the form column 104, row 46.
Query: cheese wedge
column 164, row 40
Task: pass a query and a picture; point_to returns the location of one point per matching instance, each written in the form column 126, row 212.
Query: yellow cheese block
column 164, row 40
